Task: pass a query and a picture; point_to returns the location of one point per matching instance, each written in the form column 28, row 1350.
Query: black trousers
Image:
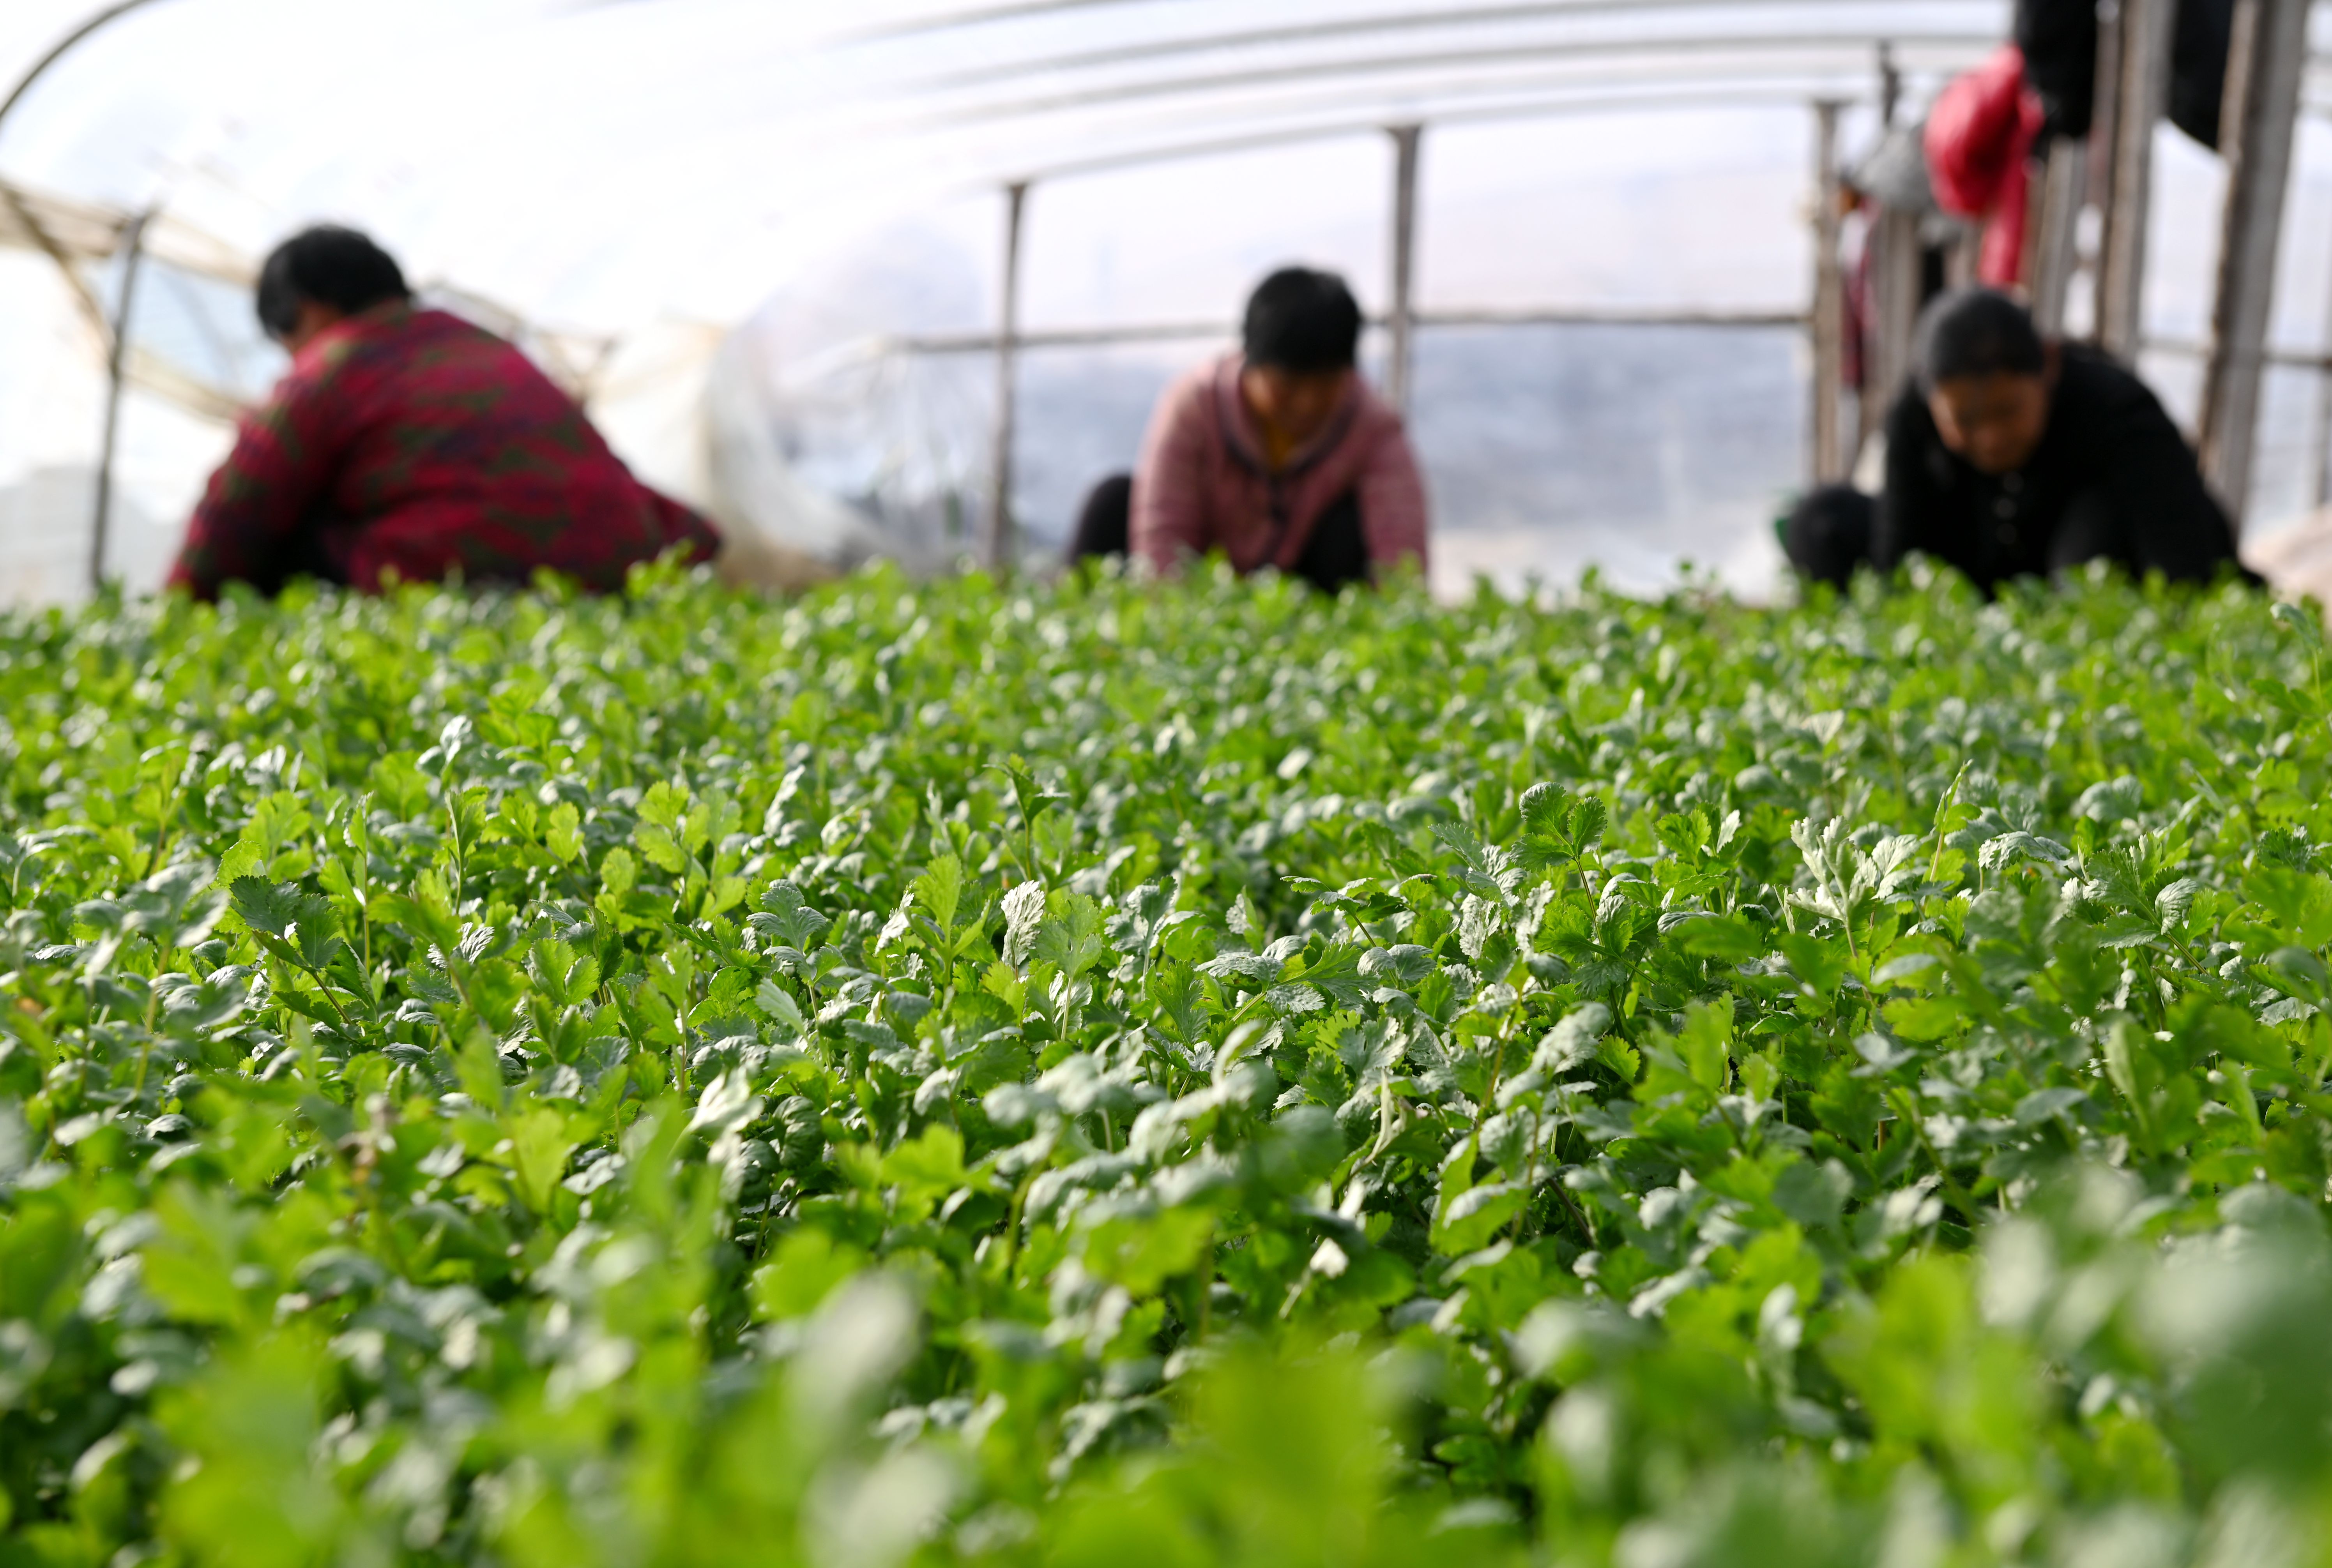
column 1827, row 534
column 302, row 554
column 1336, row 553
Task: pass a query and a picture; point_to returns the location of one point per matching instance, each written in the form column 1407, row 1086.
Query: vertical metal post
column 2319, row 444
column 1008, row 347
column 1400, row 320
column 2103, row 117
column 2319, row 460
column 2097, row 167
column 1890, row 86
column 2141, row 91
column 2266, row 55
column 1829, row 302
column 2055, row 225
column 117, row 367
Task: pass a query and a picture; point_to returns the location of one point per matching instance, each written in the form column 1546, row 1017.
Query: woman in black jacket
column 2011, row 456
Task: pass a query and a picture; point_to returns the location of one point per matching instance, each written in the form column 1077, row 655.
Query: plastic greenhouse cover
column 658, row 172
column 602, row 164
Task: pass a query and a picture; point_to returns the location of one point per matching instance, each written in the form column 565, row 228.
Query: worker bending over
column 1279, row 455
column 2009, row 456
column 409, row 445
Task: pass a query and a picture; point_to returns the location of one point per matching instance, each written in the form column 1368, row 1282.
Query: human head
column 1987, row 377
column 320, row 275
column 1301, row 336
column 1302, row 321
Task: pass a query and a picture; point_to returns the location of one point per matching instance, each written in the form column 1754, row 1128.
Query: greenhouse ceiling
column 594, row 160
column 597, row 162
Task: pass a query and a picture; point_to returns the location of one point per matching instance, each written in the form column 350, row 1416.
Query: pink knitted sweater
column 1203, row 485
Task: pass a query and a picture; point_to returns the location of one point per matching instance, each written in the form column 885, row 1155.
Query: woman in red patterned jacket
column 409, row 445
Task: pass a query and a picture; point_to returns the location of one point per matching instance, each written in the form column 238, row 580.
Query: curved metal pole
column 117, row 346
column 25, row 84
column 116, row 371
column 62, row 47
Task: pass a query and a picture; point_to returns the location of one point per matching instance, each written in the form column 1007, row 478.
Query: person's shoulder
column 1201, row 382
column 2090, row 375
column 428, row 326
column 322, row 367
column 438, row 345
column 1377, row 426
column 380, row 338
column 1189, row 401
column 1373, row 410
column 2098, row 391
column 1909, row 420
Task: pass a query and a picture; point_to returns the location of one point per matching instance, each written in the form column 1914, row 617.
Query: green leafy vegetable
column 1117, row 1073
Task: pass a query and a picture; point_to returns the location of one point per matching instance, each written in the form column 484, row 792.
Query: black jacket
column 2110, row 450
column 2060, row 40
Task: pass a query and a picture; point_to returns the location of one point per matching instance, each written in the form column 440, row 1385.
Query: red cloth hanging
column 1979, row 136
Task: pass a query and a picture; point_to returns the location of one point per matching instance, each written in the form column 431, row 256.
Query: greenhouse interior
column 768, row 246
column 750, row 1011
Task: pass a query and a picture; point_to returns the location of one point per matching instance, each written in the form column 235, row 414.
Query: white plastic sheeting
column 655, row 172
column 589, row 163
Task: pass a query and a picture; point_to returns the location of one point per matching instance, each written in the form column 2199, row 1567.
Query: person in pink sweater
column 1279, row 455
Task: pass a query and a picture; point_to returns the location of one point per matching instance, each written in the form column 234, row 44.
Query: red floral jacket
column 411, row 445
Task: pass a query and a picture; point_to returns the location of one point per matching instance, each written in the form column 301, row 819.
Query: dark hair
column 1302, row 321
column 1977, row 332
column 325, row 265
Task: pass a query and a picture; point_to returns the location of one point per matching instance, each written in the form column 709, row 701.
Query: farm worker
column 408, row 444
column 1276, row 455
column 2010, row 456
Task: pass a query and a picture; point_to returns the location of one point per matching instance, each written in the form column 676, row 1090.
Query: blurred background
column 767, row 242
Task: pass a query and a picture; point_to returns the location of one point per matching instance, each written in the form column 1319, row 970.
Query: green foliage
column 1115, row 1074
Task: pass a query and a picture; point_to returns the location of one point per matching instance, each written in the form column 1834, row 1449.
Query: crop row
column 1115, row 1073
